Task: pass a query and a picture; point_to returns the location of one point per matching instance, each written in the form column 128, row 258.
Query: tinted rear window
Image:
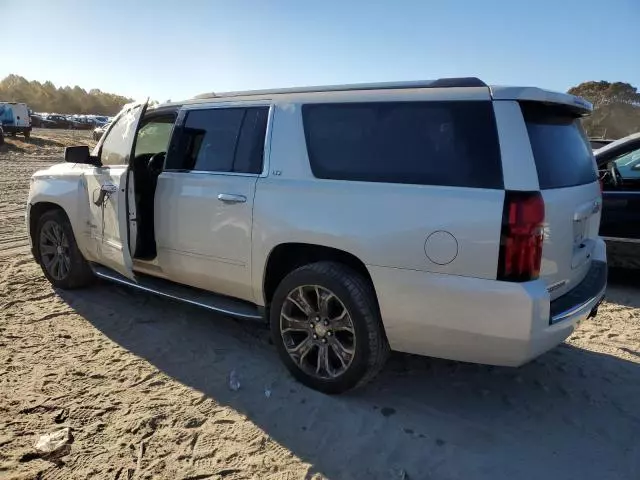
column 427, row 143
column 560, row 147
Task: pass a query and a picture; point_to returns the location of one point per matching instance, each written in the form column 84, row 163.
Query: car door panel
column 108, row 211
column 620, row 220
column 620, row 214
column 204, row 198
column 109, row 186
column 203, row 230
column 621, row 200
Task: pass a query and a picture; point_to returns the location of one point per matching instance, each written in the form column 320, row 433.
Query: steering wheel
column 156, row 163
column 614, row 173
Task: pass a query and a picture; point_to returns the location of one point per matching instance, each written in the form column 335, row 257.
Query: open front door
column 111, row 194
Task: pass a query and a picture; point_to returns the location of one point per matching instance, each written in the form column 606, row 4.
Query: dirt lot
column 143, row 383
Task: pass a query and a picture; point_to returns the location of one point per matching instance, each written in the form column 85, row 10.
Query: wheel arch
column 36, row 211
column 286, row 257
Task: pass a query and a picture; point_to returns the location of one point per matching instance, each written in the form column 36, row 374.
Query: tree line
column 46, row 97
column 616, row 105
column 616, row 108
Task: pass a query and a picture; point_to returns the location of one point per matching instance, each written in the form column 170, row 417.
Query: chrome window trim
column 622, row 240
column 266, row 152
column 620, row 192
column 205, row 172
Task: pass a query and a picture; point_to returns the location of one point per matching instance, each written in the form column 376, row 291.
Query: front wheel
column 58, row 254
column 326, row 325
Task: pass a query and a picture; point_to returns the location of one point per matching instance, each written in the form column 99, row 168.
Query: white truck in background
column 14, row 119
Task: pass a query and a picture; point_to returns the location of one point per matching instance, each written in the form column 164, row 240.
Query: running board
column 194, row 296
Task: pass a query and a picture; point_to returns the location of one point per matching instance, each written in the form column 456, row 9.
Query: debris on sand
column 50, row 443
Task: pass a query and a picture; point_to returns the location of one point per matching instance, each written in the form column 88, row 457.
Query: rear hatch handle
column 588, row 209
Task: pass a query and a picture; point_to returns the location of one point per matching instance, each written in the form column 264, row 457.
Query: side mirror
column 79, row 154
column 636, row 167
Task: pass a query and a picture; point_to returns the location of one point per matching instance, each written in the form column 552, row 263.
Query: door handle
column 108, row 188
column 231, row 198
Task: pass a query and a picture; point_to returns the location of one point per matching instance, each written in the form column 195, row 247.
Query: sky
column 177, row 49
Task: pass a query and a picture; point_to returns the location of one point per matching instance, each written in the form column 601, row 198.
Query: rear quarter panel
column 384, row 225
column 561, row 204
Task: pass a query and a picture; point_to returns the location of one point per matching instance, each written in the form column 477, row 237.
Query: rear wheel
column 58, row 254
column 326, row 326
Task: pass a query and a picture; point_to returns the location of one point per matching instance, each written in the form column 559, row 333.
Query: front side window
column 210, row 138
column 116, row 147
column 629, row 165
column 221, row 140
column 425, row 143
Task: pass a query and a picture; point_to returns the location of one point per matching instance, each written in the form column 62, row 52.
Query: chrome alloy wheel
column 317, row 331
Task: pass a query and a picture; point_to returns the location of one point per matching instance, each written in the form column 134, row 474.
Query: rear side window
column 560, row 147
column 426, row 143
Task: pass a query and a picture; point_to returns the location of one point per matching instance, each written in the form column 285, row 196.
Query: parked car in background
column 36, row 120
column 80, row 122
column 14, row 118
column 58, row 121
column 99, row 131
column 597, row 143
column 100, row 120
column 40, row 121
column 619, row 165
column 441, row 218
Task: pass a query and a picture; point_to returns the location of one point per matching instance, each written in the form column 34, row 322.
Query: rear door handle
column 231, row 198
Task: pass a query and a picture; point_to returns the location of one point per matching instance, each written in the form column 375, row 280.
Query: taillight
column 522, row 236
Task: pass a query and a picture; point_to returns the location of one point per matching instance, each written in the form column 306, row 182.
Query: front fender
column 67, row 191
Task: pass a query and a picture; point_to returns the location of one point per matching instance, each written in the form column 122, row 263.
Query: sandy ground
column 143, row 383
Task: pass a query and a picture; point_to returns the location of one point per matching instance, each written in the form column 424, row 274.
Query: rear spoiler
column 577, row 105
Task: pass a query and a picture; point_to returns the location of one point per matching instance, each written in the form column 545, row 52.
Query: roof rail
column 461, row 82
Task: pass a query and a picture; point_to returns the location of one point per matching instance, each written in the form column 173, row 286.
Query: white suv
column 443, row 218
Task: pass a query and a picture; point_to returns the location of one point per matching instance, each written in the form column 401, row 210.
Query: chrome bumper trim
column 580, row 309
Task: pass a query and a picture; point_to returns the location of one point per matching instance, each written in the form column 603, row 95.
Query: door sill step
column 194, row 296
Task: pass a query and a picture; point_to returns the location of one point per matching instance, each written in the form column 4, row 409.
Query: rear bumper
column 584, row 298
column 481, row 321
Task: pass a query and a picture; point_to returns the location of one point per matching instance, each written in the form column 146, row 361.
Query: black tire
column 27, row 134
column 355, row 293
column 79, row 273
